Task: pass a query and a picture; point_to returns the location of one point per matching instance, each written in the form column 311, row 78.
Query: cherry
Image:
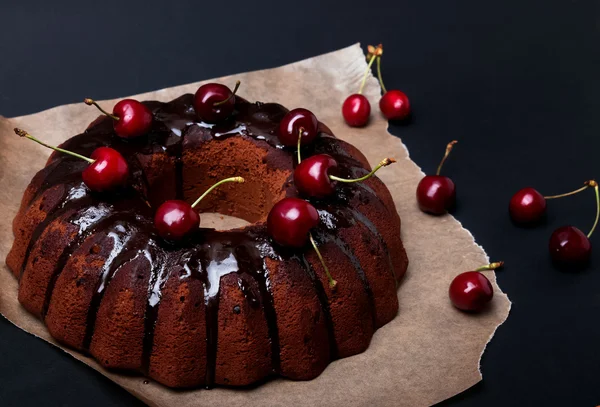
column 290, row 221
column 289, row 224
column 107, row 170
column 393, row 104
column 436, row 194
column 356, row 109
column 175, row 219
column 214, row 102
column 313, row 177
column 569, row 247
column 298, row 126
column 527, row 206
column 471, row 291
column 131, row 118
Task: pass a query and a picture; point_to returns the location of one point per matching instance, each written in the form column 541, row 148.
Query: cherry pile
column 394, row 104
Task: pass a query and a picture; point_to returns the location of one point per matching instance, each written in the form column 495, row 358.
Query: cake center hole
column 217, row 159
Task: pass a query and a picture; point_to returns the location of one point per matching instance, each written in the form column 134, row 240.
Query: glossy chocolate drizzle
column 125, row 217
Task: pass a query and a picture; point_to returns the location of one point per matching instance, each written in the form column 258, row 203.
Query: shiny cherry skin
column 356, row 110
column 292, row 122
column 570, row 248
column 470, row 291
column 527, row 206
column 174, row 220
column 290, row 221
column 311, row 176
column 135, row 119
column 204, row 102
column 436, row 194
column 108, row 171
column 394, row 105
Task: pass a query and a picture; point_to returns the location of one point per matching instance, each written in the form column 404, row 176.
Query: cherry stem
column 300, row 142
column 379, row 74
column 223, row 181
column 364, row 81
column 594, row 184
column 235, row 89
column 23, row 133
column 332, row 282
column 448, row 149
column 91, row 102
column 491, row 266
column 384, row 163
column 585, row 186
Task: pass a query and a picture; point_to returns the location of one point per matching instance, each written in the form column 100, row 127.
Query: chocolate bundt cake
column 223, row 307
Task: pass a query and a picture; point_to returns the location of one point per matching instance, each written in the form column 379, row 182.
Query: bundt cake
column 227, row 307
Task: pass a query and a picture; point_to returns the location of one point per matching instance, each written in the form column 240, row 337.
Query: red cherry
column 527, row 206
column 296, row 121
column 174, row 220
column 290, row 221
column 470, row 291
column 289, row 224
column 131, row 118
column 570, row 247
column 436, row 194
column 394, row 105
column 356, row 110
column 313, row 177
column 107, row 170
column 214, row 102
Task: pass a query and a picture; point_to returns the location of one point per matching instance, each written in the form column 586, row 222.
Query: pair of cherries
column 107, row 168
column 570, row 248
column 394, row 104
column 213, row 102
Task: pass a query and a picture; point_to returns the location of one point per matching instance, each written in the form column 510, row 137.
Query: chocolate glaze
column 208, row 255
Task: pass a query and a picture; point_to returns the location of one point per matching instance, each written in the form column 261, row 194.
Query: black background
column 516, row 82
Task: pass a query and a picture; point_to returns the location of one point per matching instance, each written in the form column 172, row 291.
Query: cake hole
column 237, row 309
column 182, row 298
column 217, row 159
column 95, row 249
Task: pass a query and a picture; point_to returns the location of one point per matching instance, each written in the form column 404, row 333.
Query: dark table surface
column 515, row 81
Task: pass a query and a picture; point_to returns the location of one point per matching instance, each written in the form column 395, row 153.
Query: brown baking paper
column 412, row 360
